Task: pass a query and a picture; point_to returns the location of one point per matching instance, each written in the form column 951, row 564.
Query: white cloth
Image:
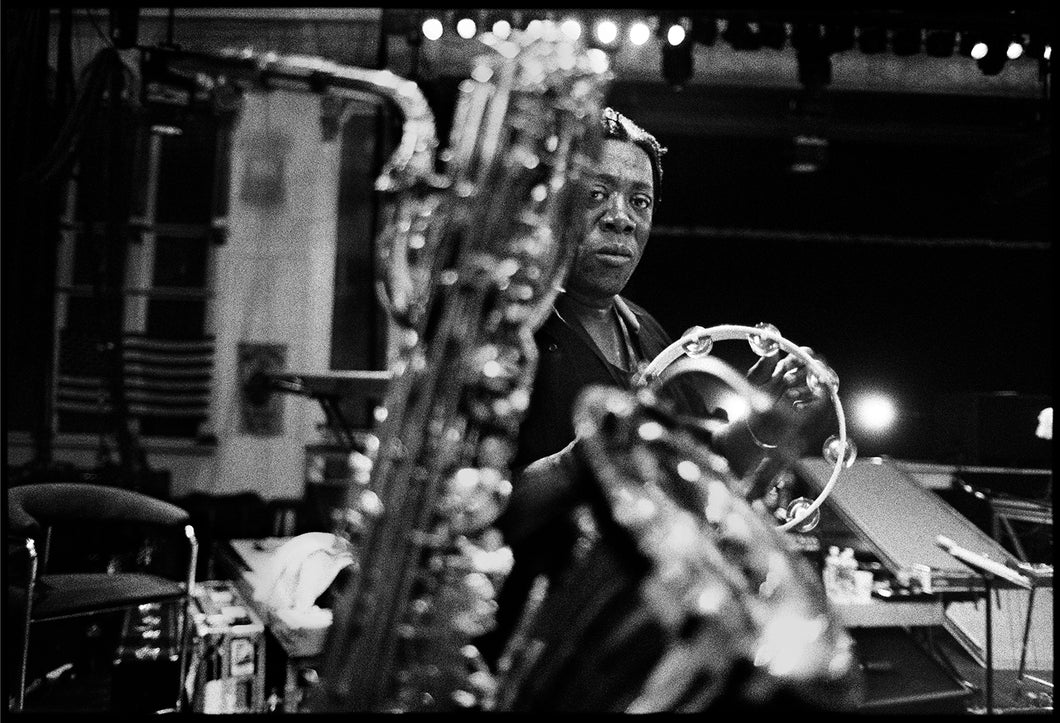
column 302, row 568
column 1045, row 424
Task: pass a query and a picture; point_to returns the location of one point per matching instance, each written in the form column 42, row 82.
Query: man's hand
column 784, row 379
column 544, row 490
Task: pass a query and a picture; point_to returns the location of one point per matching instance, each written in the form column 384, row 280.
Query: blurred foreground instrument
column 689, row 600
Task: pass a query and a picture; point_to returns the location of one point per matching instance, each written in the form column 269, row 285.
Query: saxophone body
column 471, row 260
column 696, row 601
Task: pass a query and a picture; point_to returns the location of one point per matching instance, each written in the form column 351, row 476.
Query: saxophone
column 470, row 260
column 470, row 264
column 696, row 600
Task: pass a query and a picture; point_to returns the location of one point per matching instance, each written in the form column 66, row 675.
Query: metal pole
column 987, row 578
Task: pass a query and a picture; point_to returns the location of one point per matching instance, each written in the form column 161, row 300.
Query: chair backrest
column 35, row 506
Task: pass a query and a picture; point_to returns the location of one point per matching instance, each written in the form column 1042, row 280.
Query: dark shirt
column 568, row 362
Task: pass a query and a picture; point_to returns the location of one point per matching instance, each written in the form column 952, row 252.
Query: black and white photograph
column 371, row 360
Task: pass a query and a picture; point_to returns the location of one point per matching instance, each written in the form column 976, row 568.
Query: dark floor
column 929, row 685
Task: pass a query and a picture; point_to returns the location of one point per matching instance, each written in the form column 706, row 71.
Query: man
column 594, row 336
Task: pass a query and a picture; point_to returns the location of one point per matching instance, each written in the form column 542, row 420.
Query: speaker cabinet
column 900, row 676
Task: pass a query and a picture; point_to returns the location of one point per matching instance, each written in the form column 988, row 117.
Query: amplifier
column 901, row 677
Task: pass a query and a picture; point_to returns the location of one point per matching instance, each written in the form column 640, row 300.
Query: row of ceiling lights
column 991, row 49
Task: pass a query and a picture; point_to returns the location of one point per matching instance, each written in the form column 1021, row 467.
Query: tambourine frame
column 669, row 362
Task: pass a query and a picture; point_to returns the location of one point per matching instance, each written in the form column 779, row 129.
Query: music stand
column 1040, row 576
column 988, row 570
column 1003, row 510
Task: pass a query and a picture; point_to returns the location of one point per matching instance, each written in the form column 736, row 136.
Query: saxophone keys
column 475, row 497
column 464, row 698
column 367, row 502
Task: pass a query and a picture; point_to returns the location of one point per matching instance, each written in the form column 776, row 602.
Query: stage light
column 979, row 50
column 502, row 29
column 872, row 40
column 875, row 412
column 1048, row 51
column 606, row 31
column 675, row 34
column 432, row 28
column 572, row 28
column 1014, row 51
column 639, row 33
column 940, row 43
column 905, row 41
column 466, row 28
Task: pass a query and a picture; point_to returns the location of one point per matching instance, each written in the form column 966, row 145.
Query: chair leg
column 31, row 577
column 186, row 621
column 182, row 664
column 20, row 694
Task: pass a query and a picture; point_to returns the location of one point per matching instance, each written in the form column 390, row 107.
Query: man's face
column 616, row 214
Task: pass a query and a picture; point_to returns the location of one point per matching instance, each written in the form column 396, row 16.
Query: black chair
column 36, row 510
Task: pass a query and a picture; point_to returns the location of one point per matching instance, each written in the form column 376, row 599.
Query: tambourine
column 690, row 354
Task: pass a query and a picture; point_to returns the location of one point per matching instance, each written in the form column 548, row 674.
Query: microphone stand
column 987, row 569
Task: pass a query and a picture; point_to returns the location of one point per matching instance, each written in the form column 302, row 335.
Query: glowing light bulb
column 1047, row 52
column 432, row 28
column 572, row 28
column 979, row 50
column 875, row 412
column 466, row 28
column 1014, row 51
column 502, row 29
column 606, row 31
column 639, row 33
column 675, row 35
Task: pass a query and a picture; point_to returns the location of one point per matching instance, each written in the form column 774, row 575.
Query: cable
column 89, row 100
column 106, row 38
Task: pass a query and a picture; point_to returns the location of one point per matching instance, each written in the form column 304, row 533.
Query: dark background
column 919, row 266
